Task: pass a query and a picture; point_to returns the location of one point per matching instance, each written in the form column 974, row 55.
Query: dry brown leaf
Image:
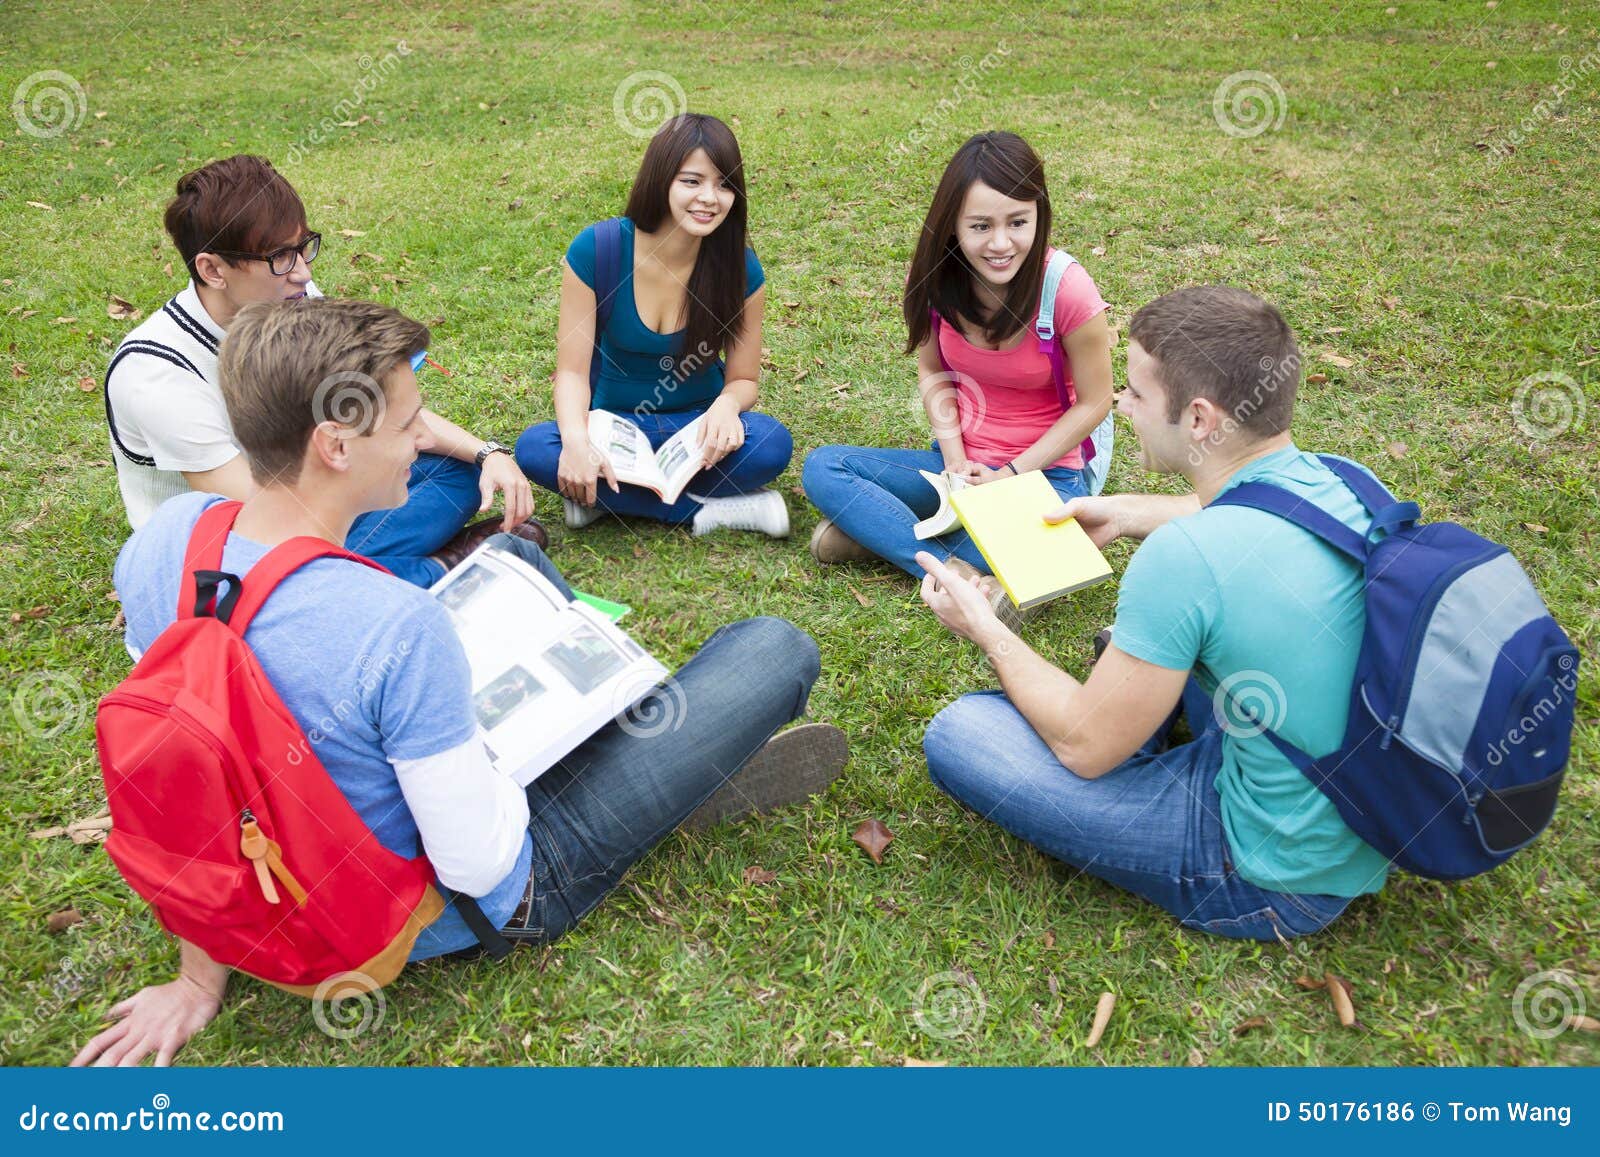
column 60, row 921
column 1253, row 1023
column 1098, row 251
column 914, row 1063
column 1196, row 1059
column 1049, row 938
column 87, row 384
column 861, row 598
column 1270, row 239
column 1102, row 1017
column 64, row 321
column 47, row 833
column 1537, row 528
column 41, row 205
column 1316, row 379
column 756, row 874
column 1339, row 992
column 1391, row 303
column 121, row 309
column 873, row 836
column 1584, row 1023
column 18, row 370
column 1310, row 983
column 1339, row 360
column 351, row 233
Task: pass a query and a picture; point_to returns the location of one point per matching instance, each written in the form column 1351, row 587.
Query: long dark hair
column 714, row 304
column 942, row 277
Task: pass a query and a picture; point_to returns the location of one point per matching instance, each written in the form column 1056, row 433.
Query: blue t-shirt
column 1243, row 597
column 368, row 665
column 639, row 366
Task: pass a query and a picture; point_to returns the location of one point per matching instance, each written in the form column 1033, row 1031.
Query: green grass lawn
column 1426, row 277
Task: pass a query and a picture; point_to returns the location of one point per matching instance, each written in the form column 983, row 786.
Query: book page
column 546, row 673
column 625, row 445
column 679, row 460
column 945, row 519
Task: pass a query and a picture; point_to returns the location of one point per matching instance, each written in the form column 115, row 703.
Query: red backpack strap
column 280, row 562
column 204, row 554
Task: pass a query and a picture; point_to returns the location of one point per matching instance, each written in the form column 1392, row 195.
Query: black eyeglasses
column 281, row 261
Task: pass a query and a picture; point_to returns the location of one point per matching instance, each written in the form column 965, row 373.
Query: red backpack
column 225, row 820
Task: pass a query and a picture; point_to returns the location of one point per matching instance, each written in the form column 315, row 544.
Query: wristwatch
column 489, row 448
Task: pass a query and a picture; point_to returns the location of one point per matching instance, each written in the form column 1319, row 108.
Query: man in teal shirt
column 1242, row 619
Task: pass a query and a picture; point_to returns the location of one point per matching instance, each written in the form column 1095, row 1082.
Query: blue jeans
column 765, row 455
column 1152, row 825
column 604, row 806
column 441, row 495
column 876, row 496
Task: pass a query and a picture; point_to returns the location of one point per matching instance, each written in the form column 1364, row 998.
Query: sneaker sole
column 793, row 766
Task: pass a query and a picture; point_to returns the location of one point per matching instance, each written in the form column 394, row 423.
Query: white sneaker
column 578, row 515
column 764, row 510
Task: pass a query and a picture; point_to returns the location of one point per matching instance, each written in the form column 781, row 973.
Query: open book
column 945, row 519
column 1034, row 560
column 666, row 471
column 546, row 673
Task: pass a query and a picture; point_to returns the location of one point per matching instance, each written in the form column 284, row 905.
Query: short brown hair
column 238, row 204
column 286, row 366
column 1225, row 345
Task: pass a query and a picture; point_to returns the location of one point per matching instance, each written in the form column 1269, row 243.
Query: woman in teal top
column 688, row 292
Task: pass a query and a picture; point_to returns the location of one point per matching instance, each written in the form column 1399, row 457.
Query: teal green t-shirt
column 638, row 366
column 1244, row 598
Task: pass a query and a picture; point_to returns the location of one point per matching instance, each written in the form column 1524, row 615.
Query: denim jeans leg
column 876, row 496
column 1152, row 826
column 441, row 496
column 768, row 447
column 619, row 793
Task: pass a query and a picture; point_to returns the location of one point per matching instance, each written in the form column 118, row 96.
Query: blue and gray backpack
column 1462, row 708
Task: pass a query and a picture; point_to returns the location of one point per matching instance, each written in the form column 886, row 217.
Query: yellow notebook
column 1034, row 561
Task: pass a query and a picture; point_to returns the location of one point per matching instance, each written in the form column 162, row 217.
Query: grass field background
column 1442, row 287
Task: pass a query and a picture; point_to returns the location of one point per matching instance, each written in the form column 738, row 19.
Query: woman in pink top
column 971, row 304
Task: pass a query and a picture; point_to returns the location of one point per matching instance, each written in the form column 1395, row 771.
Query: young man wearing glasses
column 241, row 230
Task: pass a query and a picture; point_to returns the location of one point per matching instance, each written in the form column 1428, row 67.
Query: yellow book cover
column 1034, row 561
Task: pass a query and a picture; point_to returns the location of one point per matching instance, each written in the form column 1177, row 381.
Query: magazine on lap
column 542, row 689
column 665, row 471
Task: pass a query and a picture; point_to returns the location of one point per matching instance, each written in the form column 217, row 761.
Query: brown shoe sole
column 793, row 766
column 831, row 545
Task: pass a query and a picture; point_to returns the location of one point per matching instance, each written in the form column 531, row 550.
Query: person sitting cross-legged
column 370, row 667
column 241, row 230
column 1250, row 621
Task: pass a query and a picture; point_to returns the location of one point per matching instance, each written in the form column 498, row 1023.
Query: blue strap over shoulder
column 607, row 279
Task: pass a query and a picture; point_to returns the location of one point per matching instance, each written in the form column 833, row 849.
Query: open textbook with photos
column 562, row 673
column 666, row 471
